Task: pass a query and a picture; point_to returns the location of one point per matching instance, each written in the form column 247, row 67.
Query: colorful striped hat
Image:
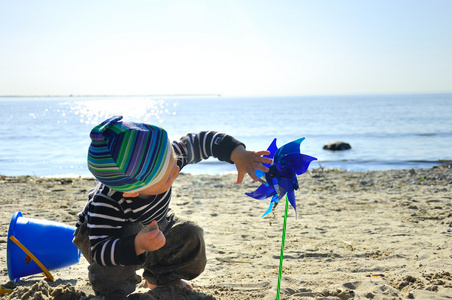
column 126, row 156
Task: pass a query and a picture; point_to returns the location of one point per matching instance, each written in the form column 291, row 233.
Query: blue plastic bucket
column 50, row 242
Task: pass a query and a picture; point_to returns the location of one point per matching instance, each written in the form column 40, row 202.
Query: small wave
column 379, row 165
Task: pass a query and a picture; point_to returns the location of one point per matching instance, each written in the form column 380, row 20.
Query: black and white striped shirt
column 107, row 211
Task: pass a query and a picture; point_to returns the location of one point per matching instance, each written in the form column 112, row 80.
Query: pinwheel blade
column 292, row 147
column 262, row 192
column 286, row 184
column 291, row 197
column 269, row 210
column 272, row 205
column 272, row 149
column 298, row 162
column 259, row 173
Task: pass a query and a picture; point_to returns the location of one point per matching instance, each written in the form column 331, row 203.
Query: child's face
column 163, row 185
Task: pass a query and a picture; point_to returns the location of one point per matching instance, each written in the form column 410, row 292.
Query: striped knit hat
column 126, row 156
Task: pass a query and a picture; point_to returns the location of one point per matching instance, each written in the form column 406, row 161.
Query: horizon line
column 221, row 95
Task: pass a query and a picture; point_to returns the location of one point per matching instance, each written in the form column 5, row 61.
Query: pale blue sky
column 229, row 47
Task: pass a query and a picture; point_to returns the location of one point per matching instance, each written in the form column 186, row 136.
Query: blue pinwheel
column 281, row 178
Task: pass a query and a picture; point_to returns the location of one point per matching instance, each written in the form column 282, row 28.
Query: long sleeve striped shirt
column 107, row 211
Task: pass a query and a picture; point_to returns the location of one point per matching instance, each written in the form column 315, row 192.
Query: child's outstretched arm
column 248, row 161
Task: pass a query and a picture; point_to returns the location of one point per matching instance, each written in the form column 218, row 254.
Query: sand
column 358, row 235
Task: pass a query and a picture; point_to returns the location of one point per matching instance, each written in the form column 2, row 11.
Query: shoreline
column 359, row 234
column 440, row 164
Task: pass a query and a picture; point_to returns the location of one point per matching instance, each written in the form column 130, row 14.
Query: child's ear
column 130, row 194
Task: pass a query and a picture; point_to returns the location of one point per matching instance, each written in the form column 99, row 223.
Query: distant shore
column 358, row 235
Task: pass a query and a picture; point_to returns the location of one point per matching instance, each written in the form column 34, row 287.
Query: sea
column 49, row 136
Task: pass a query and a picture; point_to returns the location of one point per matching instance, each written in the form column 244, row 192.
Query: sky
column 228, row 47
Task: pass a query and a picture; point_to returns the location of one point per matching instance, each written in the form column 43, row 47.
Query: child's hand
column 149, row 238
column 249, row 161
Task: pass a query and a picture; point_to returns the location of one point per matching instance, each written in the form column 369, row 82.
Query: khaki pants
column 182, row 257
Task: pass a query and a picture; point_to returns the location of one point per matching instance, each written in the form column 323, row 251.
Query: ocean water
column 50, row 136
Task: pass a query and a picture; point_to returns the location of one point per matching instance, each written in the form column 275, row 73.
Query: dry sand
column 359, row 235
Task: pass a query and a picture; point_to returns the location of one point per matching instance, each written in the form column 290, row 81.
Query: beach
column 358, row 235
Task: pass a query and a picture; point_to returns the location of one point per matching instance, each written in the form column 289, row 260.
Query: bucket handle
column 44, row 269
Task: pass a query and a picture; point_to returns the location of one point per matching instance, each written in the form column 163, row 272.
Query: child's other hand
column 149, row 238
column 249, row 161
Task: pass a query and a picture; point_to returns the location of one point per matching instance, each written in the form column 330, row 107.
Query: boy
column 127, row 223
